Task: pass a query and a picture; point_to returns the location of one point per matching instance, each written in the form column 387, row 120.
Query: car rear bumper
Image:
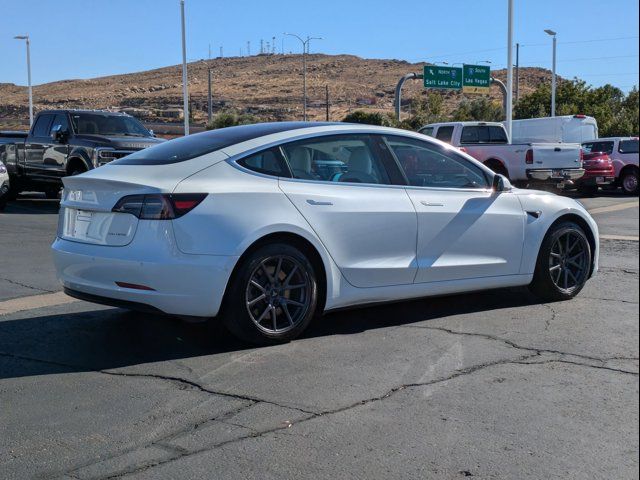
column 555, row 175
column 178, row 283
column 595, row 179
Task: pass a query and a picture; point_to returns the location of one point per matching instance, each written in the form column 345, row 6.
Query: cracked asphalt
column 486, row 385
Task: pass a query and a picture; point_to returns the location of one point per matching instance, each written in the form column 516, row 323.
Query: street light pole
column 28, row 41
column 305, row 44
column 509, row 106
column 553, row 73
column 185, row 91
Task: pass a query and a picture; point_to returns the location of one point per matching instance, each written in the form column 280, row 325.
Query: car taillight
column 581, row 155
column 580, row 116
column 159, row 206
column 529, row 157
column 463, row 150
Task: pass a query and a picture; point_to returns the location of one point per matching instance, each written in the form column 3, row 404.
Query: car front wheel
column 272, row 296
column 564, row 263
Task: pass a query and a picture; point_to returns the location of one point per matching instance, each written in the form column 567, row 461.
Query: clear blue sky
column 598, row 40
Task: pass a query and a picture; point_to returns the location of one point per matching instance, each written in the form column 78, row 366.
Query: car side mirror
column 59, row 134
column 500, row 183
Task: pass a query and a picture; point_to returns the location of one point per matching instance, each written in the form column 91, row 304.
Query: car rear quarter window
column 445, row 134
column 269, row 162
column 628, row 146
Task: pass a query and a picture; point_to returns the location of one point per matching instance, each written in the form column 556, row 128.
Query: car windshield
column 628, row 146
column 106, row 124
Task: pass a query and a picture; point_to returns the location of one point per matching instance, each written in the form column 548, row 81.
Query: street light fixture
column 488, row 62
column 305, row 46
column 28, row 41
column 553, row 73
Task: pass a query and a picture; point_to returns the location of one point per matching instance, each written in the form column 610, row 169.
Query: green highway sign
column 449, row 78
column 476, row 79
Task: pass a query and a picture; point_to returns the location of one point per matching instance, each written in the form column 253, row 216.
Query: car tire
column 259, row 308
column 564, row 263
column 629, row 182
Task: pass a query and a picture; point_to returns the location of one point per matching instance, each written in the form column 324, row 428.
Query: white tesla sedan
column 265, row 225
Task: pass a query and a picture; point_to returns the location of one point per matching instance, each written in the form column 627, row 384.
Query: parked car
column 598, row 172
column 624, row 155
column 488, row 142
column 69, row 142
column 239, row 223
column 562, row 129
column 4, row 186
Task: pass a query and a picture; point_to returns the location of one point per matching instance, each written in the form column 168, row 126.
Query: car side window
column 628, row 146
column 269, row 162
column 336, row 158
column 445, row 133
column 427, row 131
column 41, row 128
column 427, row 165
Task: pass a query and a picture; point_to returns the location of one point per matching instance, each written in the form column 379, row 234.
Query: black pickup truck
column 70, row 142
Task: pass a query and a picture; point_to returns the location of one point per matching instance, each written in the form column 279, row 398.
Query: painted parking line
column 628, row 238
column 34, row 301
column 614, row 208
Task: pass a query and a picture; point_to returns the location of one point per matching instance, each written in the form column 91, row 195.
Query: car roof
column 464, row 124
column 612, row 138
column 85, row 110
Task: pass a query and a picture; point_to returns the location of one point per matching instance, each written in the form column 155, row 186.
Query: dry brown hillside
column 268, row 86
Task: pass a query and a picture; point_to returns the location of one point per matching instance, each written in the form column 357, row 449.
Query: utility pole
column 209, row 52
column 326, row 96
column 28, row 42
column 221, row 52
column 210, row 100
column 517, row 72
column 185, row 91
column 248, row 48
column 305, row 44
column 273, row 45
column 510, row 68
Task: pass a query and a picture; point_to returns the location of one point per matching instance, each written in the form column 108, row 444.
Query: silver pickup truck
column 540, row 163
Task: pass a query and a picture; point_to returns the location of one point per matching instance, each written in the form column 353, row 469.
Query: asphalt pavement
column 485, row 385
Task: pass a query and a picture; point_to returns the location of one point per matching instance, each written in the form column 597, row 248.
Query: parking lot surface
column 489, row 385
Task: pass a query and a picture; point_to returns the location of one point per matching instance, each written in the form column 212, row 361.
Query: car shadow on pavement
column 107, row 338
column 32, row 204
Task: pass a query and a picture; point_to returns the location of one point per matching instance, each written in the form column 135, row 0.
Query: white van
column 564, row 129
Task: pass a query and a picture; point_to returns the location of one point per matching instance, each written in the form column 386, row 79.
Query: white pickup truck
column 488, row 142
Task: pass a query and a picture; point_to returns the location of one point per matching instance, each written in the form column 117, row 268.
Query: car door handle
column 314, row 202
column 431, row 204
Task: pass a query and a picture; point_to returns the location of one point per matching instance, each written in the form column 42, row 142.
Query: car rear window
column 628, row 146
column 196, row 145
column 483, row 134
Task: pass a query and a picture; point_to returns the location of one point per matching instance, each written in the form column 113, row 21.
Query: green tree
column 369, row 118
column 615, row 113
column 230, row 119
column 424, row 111
column 479, row 109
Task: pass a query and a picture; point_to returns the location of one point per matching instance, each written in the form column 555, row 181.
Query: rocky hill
column 268, row 86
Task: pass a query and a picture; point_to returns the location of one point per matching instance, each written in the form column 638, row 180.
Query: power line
column 595, row 40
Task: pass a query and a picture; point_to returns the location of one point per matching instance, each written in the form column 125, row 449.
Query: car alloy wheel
column 630, row 183
column 277, row 295
column 569, row 261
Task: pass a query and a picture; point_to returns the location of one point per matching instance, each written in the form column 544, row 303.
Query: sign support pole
column 509, row 108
